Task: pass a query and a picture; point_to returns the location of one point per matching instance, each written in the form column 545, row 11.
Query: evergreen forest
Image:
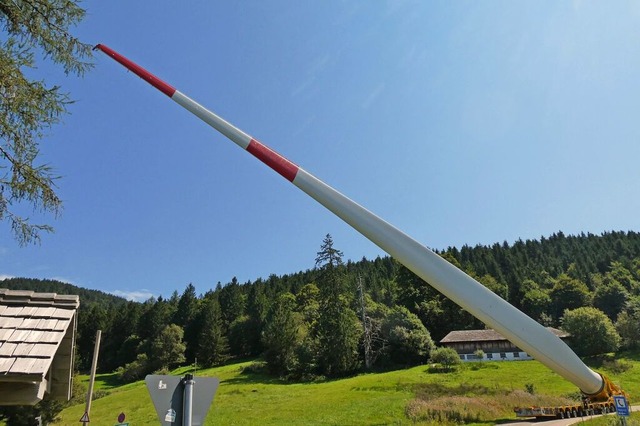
column 343, row 317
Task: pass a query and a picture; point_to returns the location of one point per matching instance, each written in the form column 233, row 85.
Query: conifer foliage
column 30, row 107
column 318, row 322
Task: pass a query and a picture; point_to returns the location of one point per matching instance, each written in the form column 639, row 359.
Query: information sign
column 622, row 406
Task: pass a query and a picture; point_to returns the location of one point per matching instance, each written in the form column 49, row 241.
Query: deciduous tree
column 408, row 339
column 535, row 301
column 592, row 332
column 167, row 349
column 610, row 297
column 568, row 293
column 628, row 326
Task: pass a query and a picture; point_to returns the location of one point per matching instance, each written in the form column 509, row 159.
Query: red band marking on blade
column 165, row 88
column 274, row 160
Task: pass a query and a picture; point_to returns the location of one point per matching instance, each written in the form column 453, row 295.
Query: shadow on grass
column 631, row 355
column 613, row 363
column 256, row 373
column 109, row 381
column 250, row 379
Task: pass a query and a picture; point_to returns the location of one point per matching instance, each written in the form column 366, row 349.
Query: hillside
column 343, row 318
column 482, row 393
column 541, row 277
column 87, row 296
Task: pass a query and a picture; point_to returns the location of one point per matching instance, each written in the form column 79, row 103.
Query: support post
column 187, row 405
column 94, row 365
column 367, row 331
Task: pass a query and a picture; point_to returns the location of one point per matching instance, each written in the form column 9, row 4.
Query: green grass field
column 614, row 420
column 368, row 399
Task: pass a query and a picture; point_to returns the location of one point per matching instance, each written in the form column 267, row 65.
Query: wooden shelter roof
column 37, row 338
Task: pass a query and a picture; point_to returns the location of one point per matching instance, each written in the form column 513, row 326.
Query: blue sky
column 458, row 122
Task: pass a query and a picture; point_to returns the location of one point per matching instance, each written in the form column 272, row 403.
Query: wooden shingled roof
column 489, row 335
column 37, row 339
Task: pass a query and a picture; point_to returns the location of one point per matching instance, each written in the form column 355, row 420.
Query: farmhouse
column 37, row 339
column 493, row 344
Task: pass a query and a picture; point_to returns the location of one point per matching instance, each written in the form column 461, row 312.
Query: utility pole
column 94, row 364
column 365, row 326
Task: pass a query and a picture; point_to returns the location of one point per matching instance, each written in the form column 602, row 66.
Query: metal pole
column 94, row 365
column 187, row 407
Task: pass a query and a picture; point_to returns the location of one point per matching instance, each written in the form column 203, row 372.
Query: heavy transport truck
column 469, row 294
column 566, row 411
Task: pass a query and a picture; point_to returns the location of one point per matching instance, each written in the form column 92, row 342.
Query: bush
column 257, row 367
column 446, row 357
column 475, row 366
column 135, row 370
column 409, row 342
column 617, row 366
column 592, row 332
column 530, row 388
column 19, row 415
column 100, row 393
column 164, row 371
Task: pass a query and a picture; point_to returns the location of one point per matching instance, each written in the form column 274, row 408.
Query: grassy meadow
column 613, row 420
column 478, row 393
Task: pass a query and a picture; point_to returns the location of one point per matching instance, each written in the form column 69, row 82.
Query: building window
column 462, row 357
column 503, row 355
column 489, row 356
column 516, row 354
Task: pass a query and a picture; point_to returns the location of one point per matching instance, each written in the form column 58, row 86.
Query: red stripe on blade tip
column 274, row 160
column 164, row 87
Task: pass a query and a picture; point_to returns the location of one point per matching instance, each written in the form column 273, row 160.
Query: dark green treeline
column 343, row 316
